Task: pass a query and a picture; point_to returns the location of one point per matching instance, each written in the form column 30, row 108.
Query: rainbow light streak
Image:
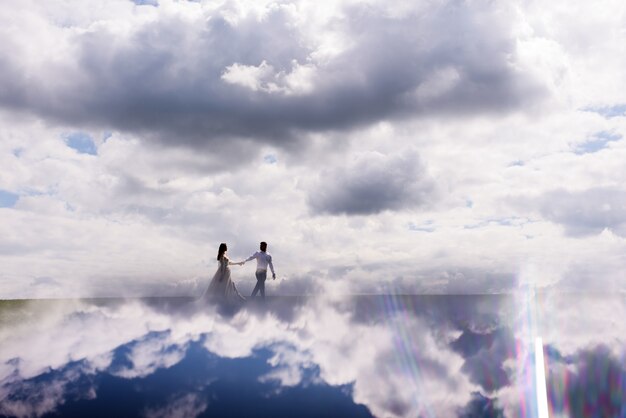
column 540, row 380
column 404, row 342
column 529, row 353
column 534, row 395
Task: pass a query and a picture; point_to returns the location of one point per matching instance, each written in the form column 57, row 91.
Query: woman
column 221, row 285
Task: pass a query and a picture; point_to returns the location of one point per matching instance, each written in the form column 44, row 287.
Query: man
column 263, row 259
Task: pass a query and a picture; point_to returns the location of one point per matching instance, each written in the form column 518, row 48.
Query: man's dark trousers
column 261, row 275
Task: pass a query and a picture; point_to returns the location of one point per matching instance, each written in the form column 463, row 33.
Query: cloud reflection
column 188, row 405
column 388, row 356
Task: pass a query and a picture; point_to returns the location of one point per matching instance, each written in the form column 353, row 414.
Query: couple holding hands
column 223, row 287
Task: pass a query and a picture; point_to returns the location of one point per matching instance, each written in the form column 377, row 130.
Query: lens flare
column 540, row 380
column 395, row 308
column 530, row 354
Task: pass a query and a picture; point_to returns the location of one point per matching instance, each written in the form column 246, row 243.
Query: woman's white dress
column 221, row 286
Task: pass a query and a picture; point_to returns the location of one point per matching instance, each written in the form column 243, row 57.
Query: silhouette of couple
column 223, row 287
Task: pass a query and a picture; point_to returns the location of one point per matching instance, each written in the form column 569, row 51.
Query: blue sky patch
column 82, row 143
column 426, row 226
column 8, row 199
column 597, row 142
column 512, row 221
column 154, row 3
column 270, row 159
column 608, row 111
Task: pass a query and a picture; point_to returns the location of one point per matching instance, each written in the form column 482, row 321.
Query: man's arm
column 269, row 261
column 252, row 257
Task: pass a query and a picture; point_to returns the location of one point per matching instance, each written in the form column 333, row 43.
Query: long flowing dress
column 221, row 286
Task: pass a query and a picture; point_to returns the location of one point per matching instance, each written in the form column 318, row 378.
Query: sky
column 377, row 146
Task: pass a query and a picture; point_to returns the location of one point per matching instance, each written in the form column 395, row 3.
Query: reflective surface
column 384, row 356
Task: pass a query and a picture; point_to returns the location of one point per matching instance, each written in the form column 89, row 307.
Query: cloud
column 585, row 212
column 485, row 355
column 152, row 352
column 188, row 405
column 372, row 183
column 194, row 75
column 481, row 407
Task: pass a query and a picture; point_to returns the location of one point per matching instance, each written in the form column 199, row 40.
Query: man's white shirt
column 263, row 259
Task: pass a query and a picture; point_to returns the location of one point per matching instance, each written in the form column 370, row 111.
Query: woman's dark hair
column 221, row 251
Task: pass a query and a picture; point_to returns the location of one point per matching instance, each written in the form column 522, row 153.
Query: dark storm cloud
column 164, row 80
column 372, row 184
column 585, row 212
